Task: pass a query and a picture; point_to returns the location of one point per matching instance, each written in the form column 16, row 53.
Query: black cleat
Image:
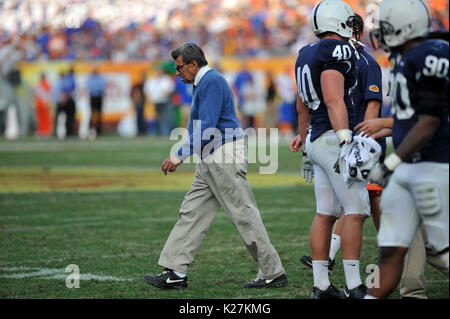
column 331, row 293
column 280, row 281
column 355, row 293
column 167, row 280
column 307, row 261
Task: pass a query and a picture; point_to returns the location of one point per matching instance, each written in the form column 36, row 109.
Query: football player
column 417, row 172
column 326, row 76
column 367, row 97
column 412, row 281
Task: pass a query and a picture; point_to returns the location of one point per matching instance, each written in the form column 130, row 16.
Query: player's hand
column 307, row 170
column 345, row 148
column 380, row 175
column 170, row 164
column 370, row 127
column 295, row 144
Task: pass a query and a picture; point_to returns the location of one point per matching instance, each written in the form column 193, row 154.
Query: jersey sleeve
column 373, row 84
column 336, row 55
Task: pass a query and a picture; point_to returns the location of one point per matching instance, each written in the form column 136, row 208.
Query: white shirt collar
column 200, row 74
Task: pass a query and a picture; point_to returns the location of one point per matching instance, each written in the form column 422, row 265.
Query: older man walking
column 220, row 180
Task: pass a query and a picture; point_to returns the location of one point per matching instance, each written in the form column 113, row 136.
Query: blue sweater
column 212, row 120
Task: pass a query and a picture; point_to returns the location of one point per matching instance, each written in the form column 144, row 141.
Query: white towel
column 357, row 162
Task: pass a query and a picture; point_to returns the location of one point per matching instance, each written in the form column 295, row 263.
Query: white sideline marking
column 17, row 268
column 91, row 276
column 52, row 273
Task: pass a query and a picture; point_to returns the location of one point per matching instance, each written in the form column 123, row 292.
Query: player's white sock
column 320, row 273
column 334, row 245
column 179, row 274
column 352, row 276
column 369, row 297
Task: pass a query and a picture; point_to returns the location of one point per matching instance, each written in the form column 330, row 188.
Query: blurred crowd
column 147, row 30
column 121, row 30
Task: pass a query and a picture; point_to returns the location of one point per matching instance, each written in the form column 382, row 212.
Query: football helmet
column 398, row 21
column 332, row 16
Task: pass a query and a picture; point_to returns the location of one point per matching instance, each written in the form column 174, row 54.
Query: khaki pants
column 216, row 185
column 412, row 282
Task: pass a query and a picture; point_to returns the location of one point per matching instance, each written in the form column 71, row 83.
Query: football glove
column 307, row 170
column 380, row 174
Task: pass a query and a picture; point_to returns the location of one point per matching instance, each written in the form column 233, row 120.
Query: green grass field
column 105, row 206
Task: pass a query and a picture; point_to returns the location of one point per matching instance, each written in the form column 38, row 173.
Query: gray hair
column 190, row 52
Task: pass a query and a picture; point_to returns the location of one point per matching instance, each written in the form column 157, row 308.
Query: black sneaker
column 331, row 293
column 307, row 261
column 280, row 281
column 167, row 280
column 355, row 293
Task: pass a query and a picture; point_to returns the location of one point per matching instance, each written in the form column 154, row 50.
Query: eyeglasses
column 179, row 67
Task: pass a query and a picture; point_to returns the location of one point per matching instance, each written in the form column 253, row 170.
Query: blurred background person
column 58, row 102
column 42, row 100
column 6, row 90
column 68, row 87
column 138, row 98
column 158, row 89
column 184, row 91
column 3, row 107
column 15, row 95
column 243, row 76
column 96, row 85
column 287, row 110
column 270, row 115
column 253, row 101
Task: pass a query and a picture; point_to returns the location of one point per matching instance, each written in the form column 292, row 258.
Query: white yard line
column 21, row 272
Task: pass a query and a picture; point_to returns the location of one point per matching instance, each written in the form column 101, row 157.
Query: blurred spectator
column 3, row 104
column 15, row 93
column 287, row 118
column 185, row 94
column 68, row 101
column 59, row 100
column 57, row 45
column 43, row 107
column 96, row 86
column 242, row 77
column 159, row 89
column 270, row 116
column 253, row 101
column 138, row 98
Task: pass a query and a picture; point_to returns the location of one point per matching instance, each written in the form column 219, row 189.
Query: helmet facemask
column 395, row 26
column 377, row 35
